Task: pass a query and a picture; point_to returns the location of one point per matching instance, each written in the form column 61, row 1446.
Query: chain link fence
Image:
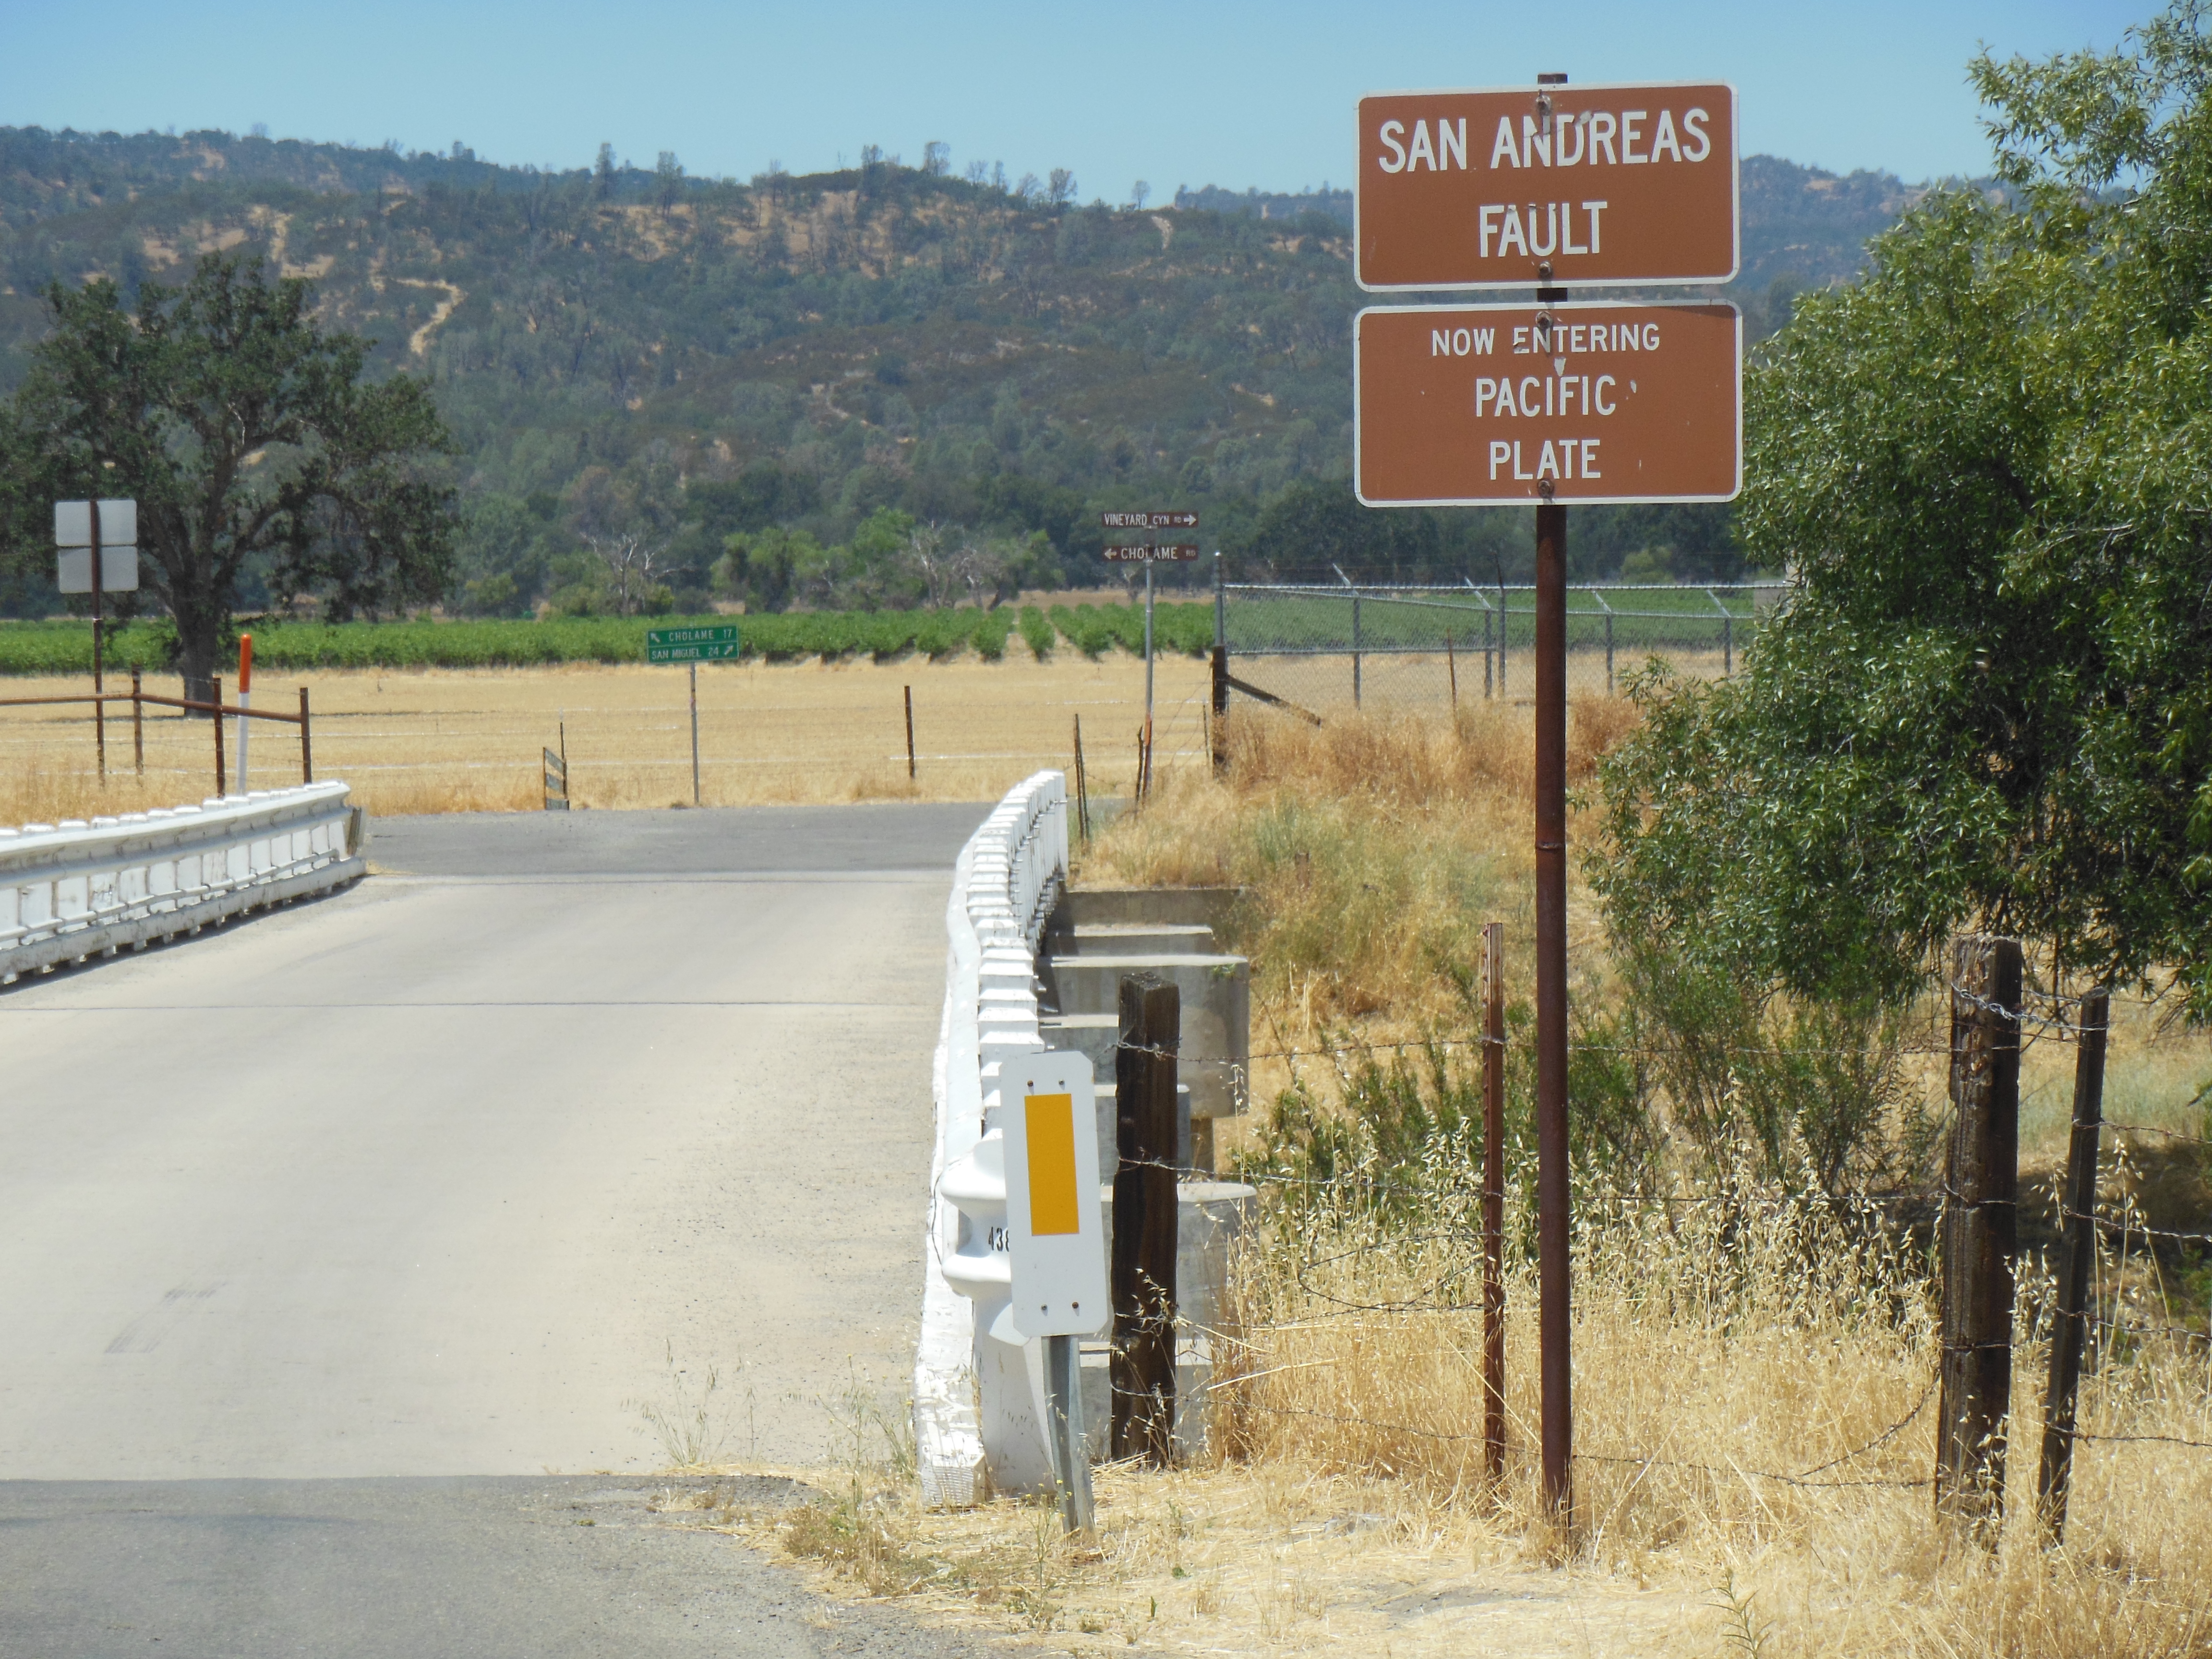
column 1319, row 647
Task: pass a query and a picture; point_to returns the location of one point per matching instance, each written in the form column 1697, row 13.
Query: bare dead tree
column 633, row 563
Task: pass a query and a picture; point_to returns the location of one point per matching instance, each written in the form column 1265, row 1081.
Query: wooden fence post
column 1219, row 731
column 1493, row 1201
column 1980, row 1232
column 1145, row 1221
column 2077, row 1258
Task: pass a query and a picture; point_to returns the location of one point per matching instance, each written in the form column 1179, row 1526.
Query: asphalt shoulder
column 514, row 1567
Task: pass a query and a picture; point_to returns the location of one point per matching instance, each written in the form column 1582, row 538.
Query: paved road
column 465, row 1173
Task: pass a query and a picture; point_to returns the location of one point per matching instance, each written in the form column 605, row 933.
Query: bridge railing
column 81, row 889
column 974, row 1395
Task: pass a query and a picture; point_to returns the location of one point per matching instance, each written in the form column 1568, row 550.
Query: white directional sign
column 119, row 524
column 73, row 538
column 1054, row 1232
column 118, row 569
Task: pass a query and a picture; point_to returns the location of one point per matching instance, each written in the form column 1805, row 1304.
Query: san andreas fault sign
column 1556, row 186
column 1484, row 405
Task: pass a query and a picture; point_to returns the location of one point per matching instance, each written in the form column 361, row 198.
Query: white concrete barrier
column 977, row 1395
column 77, row 889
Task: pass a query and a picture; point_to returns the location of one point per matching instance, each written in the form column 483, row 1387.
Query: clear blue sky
column 1185, row 94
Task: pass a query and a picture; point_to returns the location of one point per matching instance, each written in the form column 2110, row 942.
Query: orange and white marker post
column 244, row 700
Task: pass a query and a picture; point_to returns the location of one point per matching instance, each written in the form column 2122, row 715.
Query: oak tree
column 248, row 434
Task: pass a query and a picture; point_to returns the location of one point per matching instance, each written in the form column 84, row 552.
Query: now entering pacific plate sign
column 1462, row 405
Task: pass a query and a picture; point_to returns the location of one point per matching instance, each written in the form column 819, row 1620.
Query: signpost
column 1056, row 1243
column 693, row 645
column 1490, row 405
column 99, row 555
column 1518, row 187
column 1482, row 405
column 1149, row 553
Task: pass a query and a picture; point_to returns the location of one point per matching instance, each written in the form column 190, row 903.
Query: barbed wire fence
column 2128, row 1259
column 1319, row 647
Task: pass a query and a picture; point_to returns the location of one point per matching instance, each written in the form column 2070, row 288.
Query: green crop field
column 65, row 647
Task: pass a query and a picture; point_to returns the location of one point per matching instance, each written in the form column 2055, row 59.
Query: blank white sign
column 118, row 568
column 118, row 522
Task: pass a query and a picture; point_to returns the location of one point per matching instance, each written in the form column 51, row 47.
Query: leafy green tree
column 246, row 432
column 1987, row 700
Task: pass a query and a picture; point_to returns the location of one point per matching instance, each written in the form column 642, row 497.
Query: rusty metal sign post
column 1148, row 553
column 1492, row 405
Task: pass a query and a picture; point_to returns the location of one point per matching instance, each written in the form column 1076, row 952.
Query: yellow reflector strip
column 1051, row 1120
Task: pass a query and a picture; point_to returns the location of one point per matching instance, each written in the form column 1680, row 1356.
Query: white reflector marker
column 1055, row 1234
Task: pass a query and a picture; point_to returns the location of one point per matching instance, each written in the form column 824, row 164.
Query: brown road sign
column 1148, row 520
column 1477, row 405
column 1161, row 554
column 1608, row 185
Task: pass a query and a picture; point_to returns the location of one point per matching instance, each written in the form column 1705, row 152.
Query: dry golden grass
column 1717, row 1346
column 1373, row 847
column 1715, row 1350
column 440, row 740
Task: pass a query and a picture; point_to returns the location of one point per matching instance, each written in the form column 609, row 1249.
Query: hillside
column 706, row 356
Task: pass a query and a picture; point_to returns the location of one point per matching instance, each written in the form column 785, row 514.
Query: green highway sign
column 691, row 644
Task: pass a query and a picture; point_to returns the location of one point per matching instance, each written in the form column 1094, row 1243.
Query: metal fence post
column 1355, row 650
column 306, row 741
column 2077, row 1259
column 1607, row 608
column 1145, row 1223
column 1504, row 615
column 1493, row 1201
column 1980, row 1233
column 137, row 723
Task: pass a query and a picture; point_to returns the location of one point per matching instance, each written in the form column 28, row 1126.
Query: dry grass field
column 1754, row 1418
column 449, row 741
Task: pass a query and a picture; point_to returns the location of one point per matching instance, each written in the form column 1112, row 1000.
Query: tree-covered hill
column 832, row 364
